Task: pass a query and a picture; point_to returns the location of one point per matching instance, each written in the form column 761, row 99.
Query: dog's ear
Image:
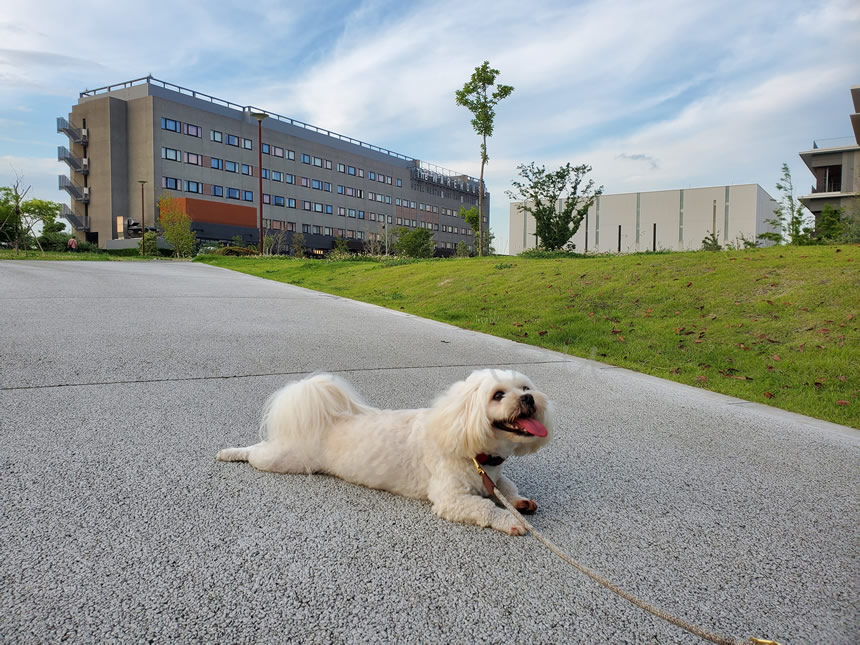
column 458, row 420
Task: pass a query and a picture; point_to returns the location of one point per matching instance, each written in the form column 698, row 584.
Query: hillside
column 778, row 326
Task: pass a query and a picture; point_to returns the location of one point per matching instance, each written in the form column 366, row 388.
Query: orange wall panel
column 203, row 210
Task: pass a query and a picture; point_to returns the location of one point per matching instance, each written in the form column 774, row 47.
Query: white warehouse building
column 676, row 220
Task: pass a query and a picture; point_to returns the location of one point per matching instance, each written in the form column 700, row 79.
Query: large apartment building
column 835, row 164
column 132, row 142
column 676, row 220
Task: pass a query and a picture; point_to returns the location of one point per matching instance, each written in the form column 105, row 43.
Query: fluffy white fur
column 320, row 425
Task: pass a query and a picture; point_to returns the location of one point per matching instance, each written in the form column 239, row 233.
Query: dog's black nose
column 528, row 399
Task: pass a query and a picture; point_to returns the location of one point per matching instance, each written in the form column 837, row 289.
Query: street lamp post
column 260, row 116
column 142, row 222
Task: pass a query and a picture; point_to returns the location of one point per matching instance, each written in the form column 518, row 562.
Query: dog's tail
column 299, row 413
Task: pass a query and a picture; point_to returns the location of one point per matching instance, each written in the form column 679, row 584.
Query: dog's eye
column 525, row 388
column 498, row 396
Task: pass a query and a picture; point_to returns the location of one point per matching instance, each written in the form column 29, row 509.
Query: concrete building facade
column 204, row 151
column 835, row 164
column 676, row 220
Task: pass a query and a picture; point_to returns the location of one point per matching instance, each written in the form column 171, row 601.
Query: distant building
column 676, row 220
column 835, row 164
column 204, row 151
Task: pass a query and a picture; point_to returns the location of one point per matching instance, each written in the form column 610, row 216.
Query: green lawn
column 778, row 326
column 8, row 254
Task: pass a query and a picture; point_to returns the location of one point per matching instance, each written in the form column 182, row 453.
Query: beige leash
column 679, row 622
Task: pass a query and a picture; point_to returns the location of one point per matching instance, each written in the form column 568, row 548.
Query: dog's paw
column 526, row 506
column 517, row 530
column 507, row 523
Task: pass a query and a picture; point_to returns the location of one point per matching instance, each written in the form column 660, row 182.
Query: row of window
column 172, row 183
column 172, row 125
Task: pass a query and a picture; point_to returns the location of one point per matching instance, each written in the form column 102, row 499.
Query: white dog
column 321, row 425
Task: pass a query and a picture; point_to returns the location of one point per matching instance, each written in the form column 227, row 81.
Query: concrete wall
column 683, row 218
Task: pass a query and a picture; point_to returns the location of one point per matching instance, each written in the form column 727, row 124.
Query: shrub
column 234, row 250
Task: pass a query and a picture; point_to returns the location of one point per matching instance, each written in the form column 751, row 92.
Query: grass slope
column 778, row 326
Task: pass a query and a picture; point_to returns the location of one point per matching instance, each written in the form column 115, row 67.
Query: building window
column 371, row 217
column 371, row 196
column 247, row 195
column 232, row 193
column 350, row 192
column 193, row 187
column 279, row 200
column 381, row 179
column 265, row 173
column 247, row 144
column 388, row 199
column 350, row 234
column 231, row 166
column 318, row 162
column 361, row 172
column 217, row 191
column 388, row 180
column 290, row 179
column 318, row 208
column 277, row 151
column 170, row 182
column 216, row 136
column 360, row 214
column 350, row 170
column 305, row 182
column 246, row 169
column 327, row 187
column 217, row 164
column 277, row 175
column 306, row 205
column 400, row 183
column 169, row 124
column 397, row 202
column 267, row 199
column 350, row 212
column 341, row 211
column 341, row 168
column 192, row 158
column 371, row 175
column 317, row 230
column 170, row 153
column 232, row 140
column 316, row 184
column 306, row 159
column 193, row 130
column 306, row 228
column 329, row 209
column 327, row 230
column 291, row 203
column 267, row 149
column 340, row 189
column 328, row 164
column 359, row 235
column 399, row 221
column 291, row 155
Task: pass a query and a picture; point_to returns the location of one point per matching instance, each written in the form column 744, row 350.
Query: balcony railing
column 837, row 142
column 79, row 223
column 78, row 135
column 78, row 193
column 78, row 164
column 440, row 177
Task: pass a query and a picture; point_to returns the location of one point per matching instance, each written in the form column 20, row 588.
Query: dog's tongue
column 532, row 426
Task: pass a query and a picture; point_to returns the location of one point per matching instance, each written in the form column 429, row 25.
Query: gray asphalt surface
column 120, row 381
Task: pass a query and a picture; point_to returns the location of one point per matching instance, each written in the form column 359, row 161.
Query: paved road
column 120, row 381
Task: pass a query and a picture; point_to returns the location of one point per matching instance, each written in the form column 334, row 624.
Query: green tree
column 53, row 236
column 297, row 245
column 483, row 239
column 12, row 225
column 828, row 226
column 416, row 243
column 557, row 200
column 462, row 249
column 476, row 97
column 175, row 224
column 851, row 224
column 789, row 220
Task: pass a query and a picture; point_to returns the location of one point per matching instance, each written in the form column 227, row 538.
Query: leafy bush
column 234, row 250
column 543, row 254
column 414, row 244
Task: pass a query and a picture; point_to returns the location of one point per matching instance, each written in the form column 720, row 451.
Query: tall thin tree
column 476, row 96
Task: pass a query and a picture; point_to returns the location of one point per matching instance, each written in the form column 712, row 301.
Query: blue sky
column 656, row 95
